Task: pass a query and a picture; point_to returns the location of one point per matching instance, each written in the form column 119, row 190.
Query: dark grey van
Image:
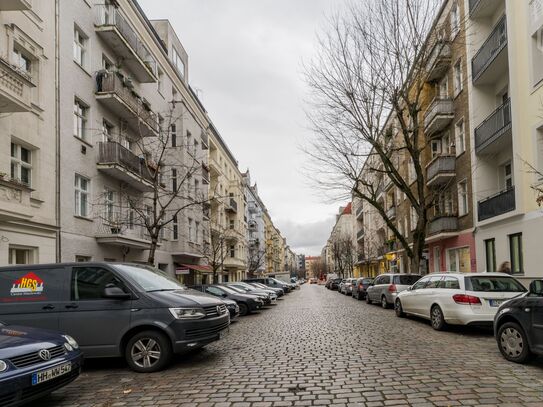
column 113, row 309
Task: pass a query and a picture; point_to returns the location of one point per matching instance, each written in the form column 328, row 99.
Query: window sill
column 83, row 141
column 83, row 218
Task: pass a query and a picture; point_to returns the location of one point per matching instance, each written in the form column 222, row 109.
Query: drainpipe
column 57, row 128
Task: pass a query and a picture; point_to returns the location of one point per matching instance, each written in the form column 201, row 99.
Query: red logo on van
column 29, row 284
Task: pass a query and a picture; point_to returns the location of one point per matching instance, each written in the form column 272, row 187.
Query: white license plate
column 49, row 374
column 496, row 303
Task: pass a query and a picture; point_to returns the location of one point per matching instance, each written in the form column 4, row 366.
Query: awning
column 196, row 267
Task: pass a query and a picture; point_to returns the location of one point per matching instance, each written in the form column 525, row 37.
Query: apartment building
column 256, row 228
column 28, row 160
column 341, row 248
column 228, row 208
column 505, row 51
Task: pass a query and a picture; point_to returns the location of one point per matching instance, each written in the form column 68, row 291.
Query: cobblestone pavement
column 317, row 347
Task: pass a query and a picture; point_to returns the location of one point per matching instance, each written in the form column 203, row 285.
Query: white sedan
column 458, row 298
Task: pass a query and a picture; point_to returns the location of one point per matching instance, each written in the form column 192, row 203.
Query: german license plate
column 49, row 374
column 496, row 303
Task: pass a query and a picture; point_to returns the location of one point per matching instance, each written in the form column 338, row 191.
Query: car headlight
column 71, row 342
column 3, row 366
column 187, row 313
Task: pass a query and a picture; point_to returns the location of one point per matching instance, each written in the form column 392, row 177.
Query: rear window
column 406, row 279
column 367, row 281
column 493, row 284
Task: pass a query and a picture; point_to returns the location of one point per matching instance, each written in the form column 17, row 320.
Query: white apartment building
column 505, row 48
column 28, row 161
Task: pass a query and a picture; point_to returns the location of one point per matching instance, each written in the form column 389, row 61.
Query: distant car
column 271, row 282
column 278, row 291
column 386, row 287
column 340, row 285
column 518, row 325
column 35, row 362
column 458, row 298
column 360, row 286
column 247, row 303
column 269, row 297
column 313, row 280
column 334, row 285
column 347, row 287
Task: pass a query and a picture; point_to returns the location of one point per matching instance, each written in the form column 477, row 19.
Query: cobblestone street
column 317, row 347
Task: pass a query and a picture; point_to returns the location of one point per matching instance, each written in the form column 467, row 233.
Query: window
column 537, row 49
column 19, row 255
column 507, row 175
column 459, row 260
column 21, row 164
column 109, row 205
column 173, row 135
column 89, row 283
column 82, row 259
column 458, row 79
column 174, row 180
column 160, row 81
column 421, row 283
column 460, row 137
column 21, row 61
column 196, row 188
column 455, row 20
column 189, row 140
column 232, row 251
column 539, row 152
column 437, row 259
column 197, row 232
column 414, row 218
column 515, row 249
column 411, row 173
column 82, row 185
column 107, row 131
column 80, row 119
column 232, row 224
column 80, row 47
column 450, row 283
column 463, row 207
column 490, row 255
column 443, row 88
column 178, row 63
column 107, row 64
column 191, row 231
column 434, row 282
column 175, row 228
column 435, row 145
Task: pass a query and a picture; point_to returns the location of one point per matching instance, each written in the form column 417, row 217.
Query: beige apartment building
column 28, row 141
column 341, row 247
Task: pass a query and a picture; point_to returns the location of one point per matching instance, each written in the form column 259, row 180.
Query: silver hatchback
column 385, row 287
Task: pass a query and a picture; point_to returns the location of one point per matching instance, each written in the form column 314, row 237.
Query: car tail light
column 360, row 285
column 392, row 288
column 466, row 299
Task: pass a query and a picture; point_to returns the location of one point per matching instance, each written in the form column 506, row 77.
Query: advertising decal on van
column 29, row 284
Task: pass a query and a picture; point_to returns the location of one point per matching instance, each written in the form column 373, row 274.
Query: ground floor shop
column 456, row 253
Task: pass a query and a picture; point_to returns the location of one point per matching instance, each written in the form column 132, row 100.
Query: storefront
column 454, row 254
column 193, row 274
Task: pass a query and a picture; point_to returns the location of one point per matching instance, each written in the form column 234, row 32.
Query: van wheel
column 398, row 309
column 513, row 343
column 437, row 318
column 243, row 309
column 384, row 302
column 148, row 351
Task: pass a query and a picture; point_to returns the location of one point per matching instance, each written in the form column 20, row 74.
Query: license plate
column 49, row 374
column 496, row 303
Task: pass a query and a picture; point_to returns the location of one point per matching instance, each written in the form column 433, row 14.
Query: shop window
column 515, row 249
column 459, row 260
column 490, row 255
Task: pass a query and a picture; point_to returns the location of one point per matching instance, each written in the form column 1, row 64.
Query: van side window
column 88, row 283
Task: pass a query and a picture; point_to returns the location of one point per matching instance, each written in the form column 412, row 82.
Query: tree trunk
column 152, row 251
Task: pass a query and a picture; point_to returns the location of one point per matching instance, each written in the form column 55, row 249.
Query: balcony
column 116, row 94
column 438, row 115
column 125, row 42
column 439, row 60
column 360, row 235
column 490, row 63
column 483, row 8
column 234, row 263
column 121, row 163
column 391, row 213
column 494, row 130
column 252, row 224
column 205, row 140
column 443, row 224
column 15, row 89
column 440, row 170
column 359, row 212
column 232, row 206
column 497, row 204
column 214, row 165
column 115, row 230
column 206, row 209
column 15, row 5
column 205, row 174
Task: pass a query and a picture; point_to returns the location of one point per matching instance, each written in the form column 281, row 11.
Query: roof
column 348, row 209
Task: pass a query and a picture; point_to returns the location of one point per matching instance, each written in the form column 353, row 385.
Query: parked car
column 232, row 307
column 517, row 325
column 278, row 291
column 271, row 282
column 386, row 287
column 347, row 286
column 458, row 298
column 265, row 297
column 249, row 289
column 360, row 286
column 35, row 362
column 247, row 303
column 340, row 285
column 334, row 285
column 95, row 302
column 313, row 280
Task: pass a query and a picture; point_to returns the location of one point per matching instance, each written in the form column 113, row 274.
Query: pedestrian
column 505, row 267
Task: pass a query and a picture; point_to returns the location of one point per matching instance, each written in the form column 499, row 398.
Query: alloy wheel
column 437, row 318
column 511, row 342
column 145, row 352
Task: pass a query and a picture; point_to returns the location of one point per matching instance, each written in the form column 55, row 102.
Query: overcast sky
column 245, row 61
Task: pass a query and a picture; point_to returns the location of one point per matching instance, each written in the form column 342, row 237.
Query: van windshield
column 148, row 278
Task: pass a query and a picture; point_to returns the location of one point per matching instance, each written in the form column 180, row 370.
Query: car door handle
column 48, row 307
column 72, row 306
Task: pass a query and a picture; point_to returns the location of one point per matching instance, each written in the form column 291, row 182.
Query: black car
column 334, row 285
column 271, row 282
column 265, row 297
column 35, row 362
column 232, row 307
column 518, row 325
column 360, row 286
column 247, row 303
column 271, row 296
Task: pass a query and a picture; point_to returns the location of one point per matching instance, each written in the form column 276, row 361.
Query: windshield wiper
column 162, row 289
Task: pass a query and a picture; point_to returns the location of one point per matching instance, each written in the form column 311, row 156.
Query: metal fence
column 497, row 204
column 493, row 125
column 110, row 152
column 495, row 42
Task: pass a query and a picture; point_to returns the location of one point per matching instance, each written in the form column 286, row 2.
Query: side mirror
column 536, row 287
column 116, row 293
column 224, row 295
column 409, row 288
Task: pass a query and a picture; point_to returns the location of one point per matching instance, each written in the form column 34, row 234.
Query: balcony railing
column 440, row 169
column 134, row 110
column 232, row 205
column 15, row 89
column 438, row 60
column 497, row 204
column 120, row 229
column 438, row 115
column 126, row 42
column 360, row 234
column 488, row 52
column 494, row 126
column 442, row 224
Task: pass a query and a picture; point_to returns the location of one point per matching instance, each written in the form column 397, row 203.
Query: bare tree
column 217, row 249
column 256, row 258
column 343, row 255
column 368, row 86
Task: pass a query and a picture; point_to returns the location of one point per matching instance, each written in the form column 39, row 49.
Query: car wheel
column 398, row 309
column 243, row 309
column 384, row 302
column 513, row 343
column 368, row 301
column 437, row 319
column 148, row 351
